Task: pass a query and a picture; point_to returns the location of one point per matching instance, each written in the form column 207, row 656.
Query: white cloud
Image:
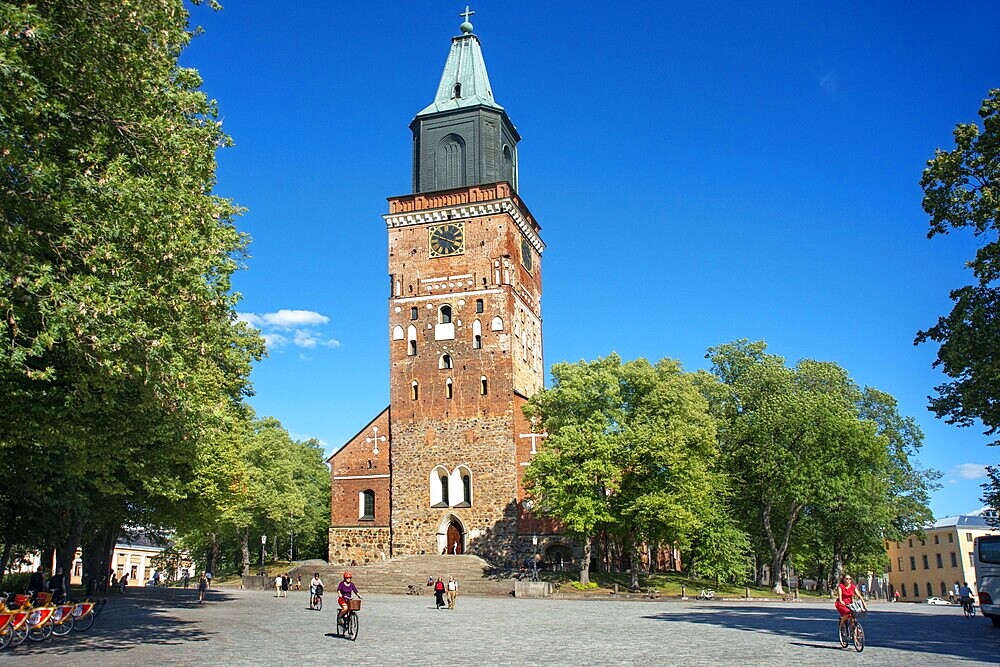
column 971, row 470
column 305, row 338
column 274, row 340
column 284, row 327
column 251, row 319
column 290, row 319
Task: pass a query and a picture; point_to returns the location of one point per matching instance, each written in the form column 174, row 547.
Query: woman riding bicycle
column 846, row 592
column 345, row 589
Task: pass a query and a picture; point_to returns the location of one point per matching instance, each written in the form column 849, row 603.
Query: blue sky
column 702, row 172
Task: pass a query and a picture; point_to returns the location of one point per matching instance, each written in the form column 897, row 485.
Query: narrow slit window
column 413, row 312
column 458, row 90
column 444, row 489
column 414, row 391
column 479, row 305
column 448, row 387
column 483, row 386
column 444, row 315
column 467, row 489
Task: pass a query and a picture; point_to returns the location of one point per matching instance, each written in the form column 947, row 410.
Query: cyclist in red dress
column 846, row 591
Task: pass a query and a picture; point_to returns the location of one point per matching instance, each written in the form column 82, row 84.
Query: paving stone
column 236, row 627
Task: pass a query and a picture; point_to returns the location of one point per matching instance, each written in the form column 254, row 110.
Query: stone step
column 474, row 575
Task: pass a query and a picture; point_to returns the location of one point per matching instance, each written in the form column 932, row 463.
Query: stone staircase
column 474, row 575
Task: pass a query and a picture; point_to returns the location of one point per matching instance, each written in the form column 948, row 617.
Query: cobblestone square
column 235, row 627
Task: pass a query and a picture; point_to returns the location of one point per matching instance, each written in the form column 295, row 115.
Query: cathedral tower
column 465, row 342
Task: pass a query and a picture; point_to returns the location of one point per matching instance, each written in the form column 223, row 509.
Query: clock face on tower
column 525, row 253
column 446, row 239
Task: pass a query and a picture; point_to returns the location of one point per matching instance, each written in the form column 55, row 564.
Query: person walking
column 298, row 582
column 277, row 585
column 286, row 583
column 123, row 582
column 202, row 587
column 452, row 592
column 439, row 593
column 208, row 576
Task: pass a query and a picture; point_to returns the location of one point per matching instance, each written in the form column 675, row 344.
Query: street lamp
column 263, row 541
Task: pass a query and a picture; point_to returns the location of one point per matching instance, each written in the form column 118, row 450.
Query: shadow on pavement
column 938, row 634
column 142, row 617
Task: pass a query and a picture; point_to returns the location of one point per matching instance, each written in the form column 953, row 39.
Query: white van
column 987, row 550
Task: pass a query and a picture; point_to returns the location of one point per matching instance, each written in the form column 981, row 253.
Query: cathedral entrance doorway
column 451, row 536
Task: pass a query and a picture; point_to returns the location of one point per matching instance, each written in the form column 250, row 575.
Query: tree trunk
column 4, row 560
column 585, row 562
column 212, row 557
column 778, row 550
column 97, row 554
column 635, row 560
column 245, row 550
column 838, row 562
column 66, row 552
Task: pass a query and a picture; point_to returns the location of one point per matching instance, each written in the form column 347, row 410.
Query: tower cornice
column 463, row 203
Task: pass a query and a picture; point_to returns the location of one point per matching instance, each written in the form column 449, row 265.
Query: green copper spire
column 463, row 137
column 464, row 82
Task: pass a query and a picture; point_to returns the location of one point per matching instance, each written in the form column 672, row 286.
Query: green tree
column 961, row 191
column 795, row 440
column 573, row 475
column 118, row 339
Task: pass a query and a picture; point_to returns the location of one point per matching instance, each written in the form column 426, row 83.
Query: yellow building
column 938, row 563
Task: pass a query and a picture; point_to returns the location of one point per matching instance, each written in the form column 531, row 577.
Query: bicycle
column 706, row 594
column 852, row 631
column 347, row 624
column 316, row 598
column 969, row 607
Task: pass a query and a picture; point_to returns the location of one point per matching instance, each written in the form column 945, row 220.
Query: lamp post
column 263, row 541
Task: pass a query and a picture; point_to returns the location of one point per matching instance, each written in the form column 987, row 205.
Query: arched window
column 461, row 486
column 445, row 362
column 448, row 388
column 507, row 173
column 497, row 324
column 444, row 314
column 483, row 387
column 414, row 390
column 457, row 91
column 397, row 333
column 439, row 487
column 411, row 340
column 449, row 163
column 366, row 505
column 477, row 335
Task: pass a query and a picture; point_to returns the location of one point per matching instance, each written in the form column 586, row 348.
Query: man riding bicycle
column 345, row 589
column 315, row 588
column 965, row 595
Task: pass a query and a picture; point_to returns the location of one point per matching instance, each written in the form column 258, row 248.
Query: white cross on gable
column 374, row 439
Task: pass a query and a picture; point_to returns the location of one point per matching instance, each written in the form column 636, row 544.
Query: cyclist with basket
column 345, row 590
column 846, row 592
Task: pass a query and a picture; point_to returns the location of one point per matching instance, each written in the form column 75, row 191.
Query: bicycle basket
column 353, row 605
column 857, row 609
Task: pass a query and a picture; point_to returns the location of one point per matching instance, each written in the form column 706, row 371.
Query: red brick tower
column 465, row 344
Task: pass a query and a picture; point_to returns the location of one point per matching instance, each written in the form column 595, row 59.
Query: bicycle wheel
column 319, row 603
column 64, row 628
column 351, row 629
column 859, row 638
column 19, row 635
column 40, row 634
column 845, row 634
column 5, row 637
column 84, row 624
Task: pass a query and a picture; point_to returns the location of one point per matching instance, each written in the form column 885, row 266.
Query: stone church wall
column 485, row 446
column 358, row 545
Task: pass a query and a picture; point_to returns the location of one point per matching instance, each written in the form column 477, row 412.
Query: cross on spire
column 467, row 13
